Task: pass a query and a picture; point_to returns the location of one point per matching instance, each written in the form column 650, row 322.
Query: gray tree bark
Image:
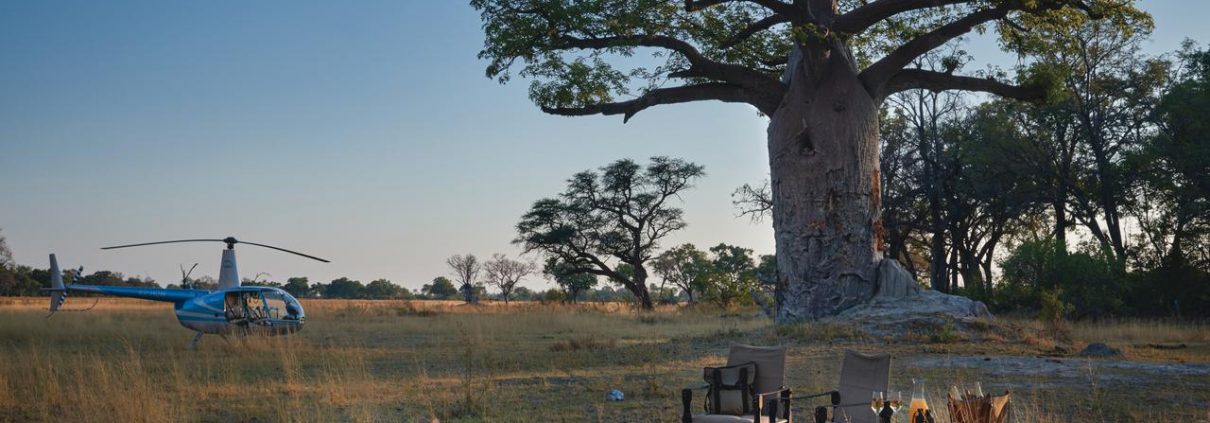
column 823, row 158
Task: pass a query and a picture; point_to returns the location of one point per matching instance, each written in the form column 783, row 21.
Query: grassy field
column 419, row 361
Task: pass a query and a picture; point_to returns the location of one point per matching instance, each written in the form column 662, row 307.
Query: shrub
column 1090, row 281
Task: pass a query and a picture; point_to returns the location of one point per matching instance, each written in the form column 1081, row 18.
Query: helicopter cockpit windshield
column 282, row 306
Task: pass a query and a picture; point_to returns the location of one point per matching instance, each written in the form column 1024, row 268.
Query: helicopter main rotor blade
column 161, row 242
column 285, row 250
column 229, row 241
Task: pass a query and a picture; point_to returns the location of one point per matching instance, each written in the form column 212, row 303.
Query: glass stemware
column 876, row 402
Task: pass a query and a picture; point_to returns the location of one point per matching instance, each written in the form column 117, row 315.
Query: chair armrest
column 821, row 413
column 834, row 397
column 774, row 399
column 777, row 391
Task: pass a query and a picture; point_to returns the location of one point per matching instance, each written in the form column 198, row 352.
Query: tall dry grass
column 366, row 361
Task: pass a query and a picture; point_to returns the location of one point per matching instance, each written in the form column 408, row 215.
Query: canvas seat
column 765, row 387
column 861, row 375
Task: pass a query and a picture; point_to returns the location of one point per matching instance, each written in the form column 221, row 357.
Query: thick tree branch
column 752, row 29
column 684, row 94
column 865, row 16
column 910, row 79
column 773, row 5
column 877, row 75
column 742, row 76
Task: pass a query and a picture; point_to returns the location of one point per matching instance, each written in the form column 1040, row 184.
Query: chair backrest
column 770, row 364
column 860, row 376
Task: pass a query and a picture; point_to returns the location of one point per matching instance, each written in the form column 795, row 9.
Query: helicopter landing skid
column 197, row 339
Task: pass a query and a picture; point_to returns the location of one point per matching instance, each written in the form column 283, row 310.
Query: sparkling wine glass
column 876, row 402
column 896, row 402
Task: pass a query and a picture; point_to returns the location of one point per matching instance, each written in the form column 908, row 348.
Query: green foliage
column 732, row 276
column 553, row 296
column 944, row 334
column 1090, row 281
column 1052, row 310
column 344, row 288
column 573, row 283
column 299, row 287
column 382, row 289
column 534, row 37
column 685, row 267
column 6, row 254
column 441, row 289
column 609, row 222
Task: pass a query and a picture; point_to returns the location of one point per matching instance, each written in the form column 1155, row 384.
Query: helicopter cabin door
column 243, row 307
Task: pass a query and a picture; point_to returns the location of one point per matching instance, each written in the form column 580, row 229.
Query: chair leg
column 686, row 399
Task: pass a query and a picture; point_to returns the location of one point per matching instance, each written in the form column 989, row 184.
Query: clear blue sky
column 362, row 132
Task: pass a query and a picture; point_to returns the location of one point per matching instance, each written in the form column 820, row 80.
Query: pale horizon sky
column 364, row 133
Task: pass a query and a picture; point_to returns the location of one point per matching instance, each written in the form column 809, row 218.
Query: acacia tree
column 685, row 267
column 733, row 275
column 564, row 275
column 610, row 223
column 819, row 69
column 504, row 273
column 466, row 271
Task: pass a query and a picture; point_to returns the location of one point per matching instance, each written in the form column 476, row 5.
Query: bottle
column 885, row 414
column 918, row 405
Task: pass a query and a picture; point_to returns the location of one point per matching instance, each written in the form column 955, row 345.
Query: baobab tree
column 818, row 69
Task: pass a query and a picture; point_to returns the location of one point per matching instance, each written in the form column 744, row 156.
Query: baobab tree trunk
column 823, row 158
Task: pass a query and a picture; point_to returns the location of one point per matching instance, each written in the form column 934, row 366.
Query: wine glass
column 896, row 402
column 876, row 402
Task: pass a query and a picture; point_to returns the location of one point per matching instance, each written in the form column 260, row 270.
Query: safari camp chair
column 749, row 389
column 860, row 376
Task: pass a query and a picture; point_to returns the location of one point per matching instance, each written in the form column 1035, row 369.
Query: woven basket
column 987, row 409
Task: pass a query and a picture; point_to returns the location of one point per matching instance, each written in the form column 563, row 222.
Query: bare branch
column 773, row 5
column 908, row 79
column 758, row 26
column 867, row 15
column 754, row 202
column 877, row 75
column 700, row 64
column 683, row 94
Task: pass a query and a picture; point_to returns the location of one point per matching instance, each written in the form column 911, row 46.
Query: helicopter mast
column 228, row 273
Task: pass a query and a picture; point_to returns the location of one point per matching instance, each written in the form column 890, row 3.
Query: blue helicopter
column 232, row 309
